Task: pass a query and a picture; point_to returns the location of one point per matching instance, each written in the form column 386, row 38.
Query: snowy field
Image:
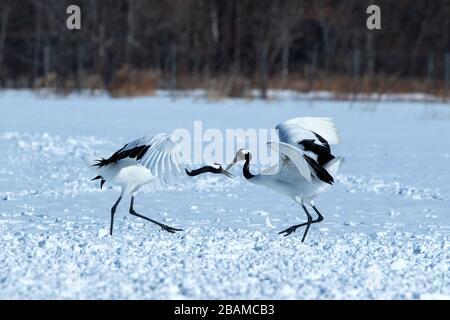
column 386, row 233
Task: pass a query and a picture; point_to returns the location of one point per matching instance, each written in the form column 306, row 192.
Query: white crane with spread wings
column 156, row 160
column 306, row 166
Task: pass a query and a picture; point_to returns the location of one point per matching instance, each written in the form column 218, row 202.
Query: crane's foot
column 169, row 229
column 289, row 230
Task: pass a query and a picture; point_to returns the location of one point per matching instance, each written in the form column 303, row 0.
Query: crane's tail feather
column 90, row 161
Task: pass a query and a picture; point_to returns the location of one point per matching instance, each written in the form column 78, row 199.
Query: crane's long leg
column 113, row 212
column 320, row 218
column 310, row 220
column 292, row 229
column 163, row 226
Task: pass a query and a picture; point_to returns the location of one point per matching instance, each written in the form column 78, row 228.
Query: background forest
column 131, row 47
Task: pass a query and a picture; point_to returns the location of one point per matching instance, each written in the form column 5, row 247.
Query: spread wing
column 295, row 130
column 306, row 142
column 160, row 154
column 163, row 157
column 295, row 155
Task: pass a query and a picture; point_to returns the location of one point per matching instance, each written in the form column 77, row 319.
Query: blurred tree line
column 231, row 45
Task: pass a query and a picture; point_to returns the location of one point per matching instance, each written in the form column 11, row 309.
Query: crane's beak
column 235, row 160
column 224, row 172
column 229, row 175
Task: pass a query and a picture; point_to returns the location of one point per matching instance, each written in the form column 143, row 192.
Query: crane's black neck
column 246, row 171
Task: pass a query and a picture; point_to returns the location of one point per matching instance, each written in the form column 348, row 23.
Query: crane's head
column 241, row 155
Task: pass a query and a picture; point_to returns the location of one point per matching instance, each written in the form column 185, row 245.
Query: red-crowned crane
column 156, row 160
column 306, row 166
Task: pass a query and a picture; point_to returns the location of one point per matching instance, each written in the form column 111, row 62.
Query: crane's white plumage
column 152, row 160
column 306, row 166
column 145, row 160
column 156, row 159
column 293, row 154
column 294, row 130
column 164, row 159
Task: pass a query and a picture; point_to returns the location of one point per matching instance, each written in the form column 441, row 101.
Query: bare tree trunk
column 285, row 62
column 102, row 55
column 47, row 53
column 37, row 42
column 214, row 23
column 173, row 67
column 312, row 70
column 356, row 70
column 370, row 53
column 3, row 26
column 130, row 29
column 264, row 70
column 447, row 74
column 326, row 43
column 80, row 66
column 237, row 37
column 430, row 67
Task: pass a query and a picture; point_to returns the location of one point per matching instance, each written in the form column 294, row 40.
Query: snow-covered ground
column 386, row 232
